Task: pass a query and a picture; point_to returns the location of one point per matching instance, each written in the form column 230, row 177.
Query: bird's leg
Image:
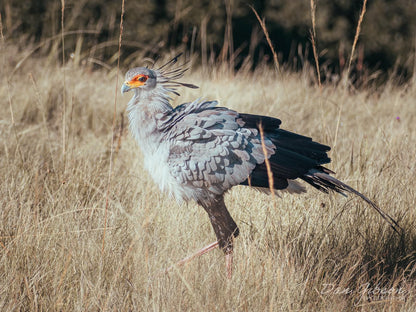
column 229, row 263
column 194, row 255
column 224, row 227
column 208, row 248
column 198, row 253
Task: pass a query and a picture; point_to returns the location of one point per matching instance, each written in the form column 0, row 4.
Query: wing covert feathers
column 211, row 148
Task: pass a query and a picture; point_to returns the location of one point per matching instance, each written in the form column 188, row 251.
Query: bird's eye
column 142, row 78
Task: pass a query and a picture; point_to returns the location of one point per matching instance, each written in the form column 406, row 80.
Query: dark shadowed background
column 223, row 31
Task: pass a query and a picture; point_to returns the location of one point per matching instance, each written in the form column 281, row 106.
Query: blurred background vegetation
column 221, row 31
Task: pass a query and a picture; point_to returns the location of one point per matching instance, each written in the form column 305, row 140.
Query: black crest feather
column 171, row 73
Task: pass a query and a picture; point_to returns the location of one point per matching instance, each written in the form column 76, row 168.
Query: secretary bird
column 198, row 151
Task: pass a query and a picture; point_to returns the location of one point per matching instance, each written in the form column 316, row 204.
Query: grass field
column 77, row 234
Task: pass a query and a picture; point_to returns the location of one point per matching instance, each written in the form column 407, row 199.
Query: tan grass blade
column 269, row 42
column 313, row 39
column 357, row 34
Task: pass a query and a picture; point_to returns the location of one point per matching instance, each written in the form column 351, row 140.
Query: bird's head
column 144, row 78
column 139, row 77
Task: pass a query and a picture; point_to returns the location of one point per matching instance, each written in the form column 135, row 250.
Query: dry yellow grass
column 295, row 253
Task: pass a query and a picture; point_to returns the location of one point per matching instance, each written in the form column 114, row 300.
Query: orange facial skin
column 137, row 81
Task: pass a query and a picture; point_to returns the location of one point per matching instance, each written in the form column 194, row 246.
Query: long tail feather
column 325, row 182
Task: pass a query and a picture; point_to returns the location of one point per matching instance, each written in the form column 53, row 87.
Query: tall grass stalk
column 9, row 98
column 357, row 34
column 269, row 42
column 63, row 84
column 110, row 167
column 346, row 76
column 313, row 39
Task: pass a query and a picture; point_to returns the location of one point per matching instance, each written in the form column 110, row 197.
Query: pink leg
column 194, row 255
column 229, row 264
column 228, row 258
column 198, row 253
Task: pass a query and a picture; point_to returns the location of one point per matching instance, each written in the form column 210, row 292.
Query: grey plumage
column 198, row 151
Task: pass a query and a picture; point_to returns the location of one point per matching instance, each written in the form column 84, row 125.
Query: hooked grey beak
column 125, row 88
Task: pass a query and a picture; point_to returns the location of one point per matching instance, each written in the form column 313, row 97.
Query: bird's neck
column 144, row 111
column 154, row 101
